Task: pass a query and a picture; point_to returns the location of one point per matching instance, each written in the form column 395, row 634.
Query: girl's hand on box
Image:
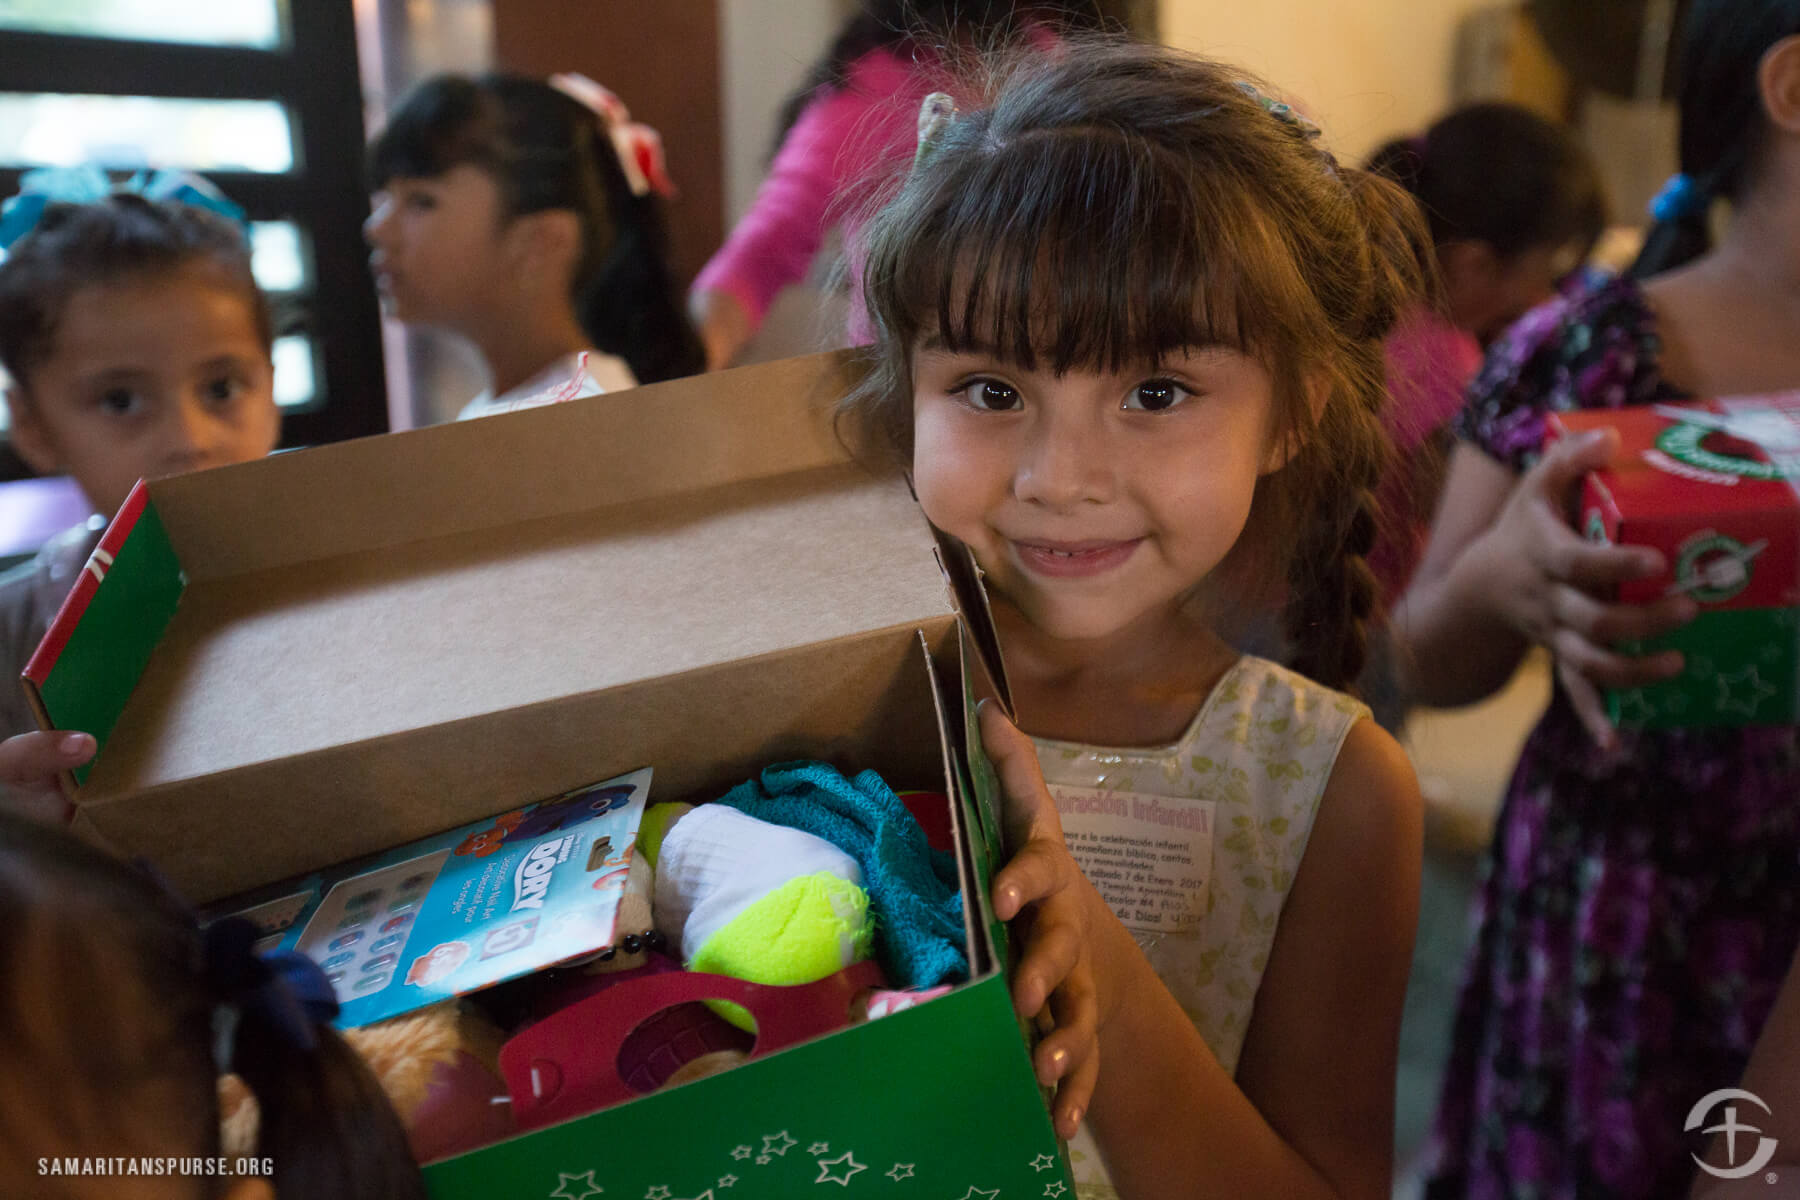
column 1548, row 582
column 31, row 767
column 1046, row 892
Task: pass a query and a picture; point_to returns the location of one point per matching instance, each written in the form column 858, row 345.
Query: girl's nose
column 1065, row 463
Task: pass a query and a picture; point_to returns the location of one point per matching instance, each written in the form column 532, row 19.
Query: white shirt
column 563, row 379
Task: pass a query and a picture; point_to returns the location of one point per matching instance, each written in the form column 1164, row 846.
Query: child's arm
column 843, row 137
column 1503, row 570
column 1310, row 1112
column 31, row 765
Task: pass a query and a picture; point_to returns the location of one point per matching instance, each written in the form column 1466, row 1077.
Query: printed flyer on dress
column 1150, row 856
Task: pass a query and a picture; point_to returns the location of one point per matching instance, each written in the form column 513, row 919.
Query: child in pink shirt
column 849, row 130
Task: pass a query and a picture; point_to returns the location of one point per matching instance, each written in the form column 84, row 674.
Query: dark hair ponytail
column 1333, row 595
column 627, row 299
column 113, row 997
column 324, row 1120
column 547, row 150
column 1723, row 126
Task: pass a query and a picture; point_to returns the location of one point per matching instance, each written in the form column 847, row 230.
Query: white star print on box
column 659, row 1192
column 850, row 1165
column 728, row 1181
column 564, row 1184
column 1042, row 1162
column 742, row 1152
column 1054, row 1189
column 1743, row 692
column 975, row 1193
column 818, row 1148
column 900, row 1171
column 778, row 1144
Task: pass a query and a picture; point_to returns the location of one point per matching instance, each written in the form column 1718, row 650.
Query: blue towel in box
column 912, row 888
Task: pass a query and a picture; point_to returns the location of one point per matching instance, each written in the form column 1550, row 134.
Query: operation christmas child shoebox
column 1714, row 486
column 327, row 654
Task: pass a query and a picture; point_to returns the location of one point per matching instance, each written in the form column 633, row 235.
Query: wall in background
column 1366, row 71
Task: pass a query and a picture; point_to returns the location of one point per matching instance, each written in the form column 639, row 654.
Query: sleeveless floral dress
column 1638, row 909
column 1196, row 844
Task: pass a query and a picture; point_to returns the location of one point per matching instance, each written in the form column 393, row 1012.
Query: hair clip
column 638, row 146
column 89, row 184
column 1285, row 113
column 935, row 114
column 1681, row 197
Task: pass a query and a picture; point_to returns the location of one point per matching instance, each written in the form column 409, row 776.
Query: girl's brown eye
column 1155, row 395
column 991, row 396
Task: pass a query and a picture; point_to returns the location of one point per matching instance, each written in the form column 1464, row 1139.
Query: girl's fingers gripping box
column 461, row 910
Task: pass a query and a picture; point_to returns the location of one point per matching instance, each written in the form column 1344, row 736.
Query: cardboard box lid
column 356, row 592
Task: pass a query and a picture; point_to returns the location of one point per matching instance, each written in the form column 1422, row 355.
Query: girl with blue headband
column 1641, row 900
column 135, row 344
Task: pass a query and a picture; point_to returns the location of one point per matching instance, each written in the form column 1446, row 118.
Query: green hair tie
column 1284, row 113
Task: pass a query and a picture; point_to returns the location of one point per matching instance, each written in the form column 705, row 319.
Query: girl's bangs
column 1061, row 248
column 437, row 128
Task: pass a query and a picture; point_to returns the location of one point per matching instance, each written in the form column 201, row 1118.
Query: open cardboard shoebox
column 316, row 656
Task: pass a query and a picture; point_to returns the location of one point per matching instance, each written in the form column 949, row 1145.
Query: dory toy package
column 461, row 910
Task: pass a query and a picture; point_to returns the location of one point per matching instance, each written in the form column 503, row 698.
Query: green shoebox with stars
column 1714, row 486
column 369, row 642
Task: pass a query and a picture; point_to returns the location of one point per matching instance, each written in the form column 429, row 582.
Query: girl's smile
column 1072, row 560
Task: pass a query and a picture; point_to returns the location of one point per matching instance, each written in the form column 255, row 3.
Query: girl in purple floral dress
column 1641, row 900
